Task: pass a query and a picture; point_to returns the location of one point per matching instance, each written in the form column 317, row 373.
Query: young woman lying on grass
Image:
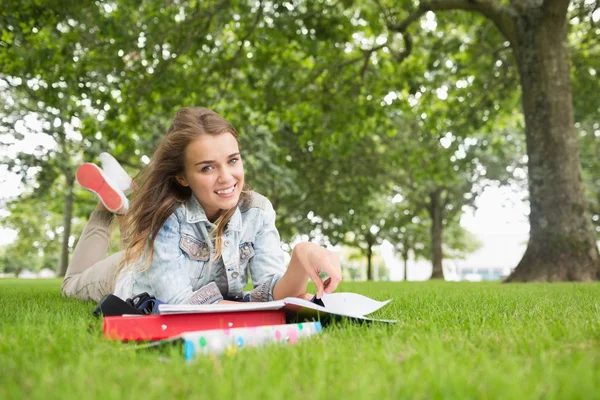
column 193, row 229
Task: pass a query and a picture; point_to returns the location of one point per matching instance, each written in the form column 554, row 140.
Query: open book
column 349, row 305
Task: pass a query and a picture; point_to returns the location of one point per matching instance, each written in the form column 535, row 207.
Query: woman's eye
column 206, row 169
column 233, row 160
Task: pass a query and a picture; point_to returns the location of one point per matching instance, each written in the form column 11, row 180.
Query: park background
column 364, row 123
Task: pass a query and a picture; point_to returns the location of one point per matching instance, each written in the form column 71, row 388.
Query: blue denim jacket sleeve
column 167, row 274
column 267, row 265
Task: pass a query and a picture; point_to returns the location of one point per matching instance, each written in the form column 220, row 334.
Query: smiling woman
column 194, row 231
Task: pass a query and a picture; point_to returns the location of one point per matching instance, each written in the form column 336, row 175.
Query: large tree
column 562, row 244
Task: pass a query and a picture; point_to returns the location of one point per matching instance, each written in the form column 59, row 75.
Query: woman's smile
column 227, row 192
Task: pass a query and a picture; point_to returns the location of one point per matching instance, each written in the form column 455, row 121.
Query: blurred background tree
column 359, row 129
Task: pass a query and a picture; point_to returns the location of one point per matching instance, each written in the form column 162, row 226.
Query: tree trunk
column 436, row 210
column 405, row 259
column 562, row 243
column 68, row 214
column 369, row 258
column 369, row 263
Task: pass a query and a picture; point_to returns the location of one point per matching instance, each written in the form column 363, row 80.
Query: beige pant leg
column 90, row 274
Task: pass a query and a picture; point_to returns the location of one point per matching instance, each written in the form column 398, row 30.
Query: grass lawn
column 453, row 340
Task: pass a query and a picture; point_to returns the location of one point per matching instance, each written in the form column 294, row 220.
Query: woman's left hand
column 315, row 259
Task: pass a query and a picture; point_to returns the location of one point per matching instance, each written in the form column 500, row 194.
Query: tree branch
column 364, row 57
column 502, row 16
column 407, row 48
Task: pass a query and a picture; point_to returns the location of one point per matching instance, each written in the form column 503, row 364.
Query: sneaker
column 92, row 178
column 116, row 173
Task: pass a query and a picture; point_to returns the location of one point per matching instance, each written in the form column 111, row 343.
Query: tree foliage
column 336, row 119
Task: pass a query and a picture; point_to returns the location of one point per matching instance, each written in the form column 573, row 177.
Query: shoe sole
column 90, row 177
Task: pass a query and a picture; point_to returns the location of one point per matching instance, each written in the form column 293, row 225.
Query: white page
column 352, row 303
column 342, row 303
column 166, row 309
column 341, row 306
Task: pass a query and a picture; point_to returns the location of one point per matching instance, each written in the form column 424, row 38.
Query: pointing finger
column 317, row 281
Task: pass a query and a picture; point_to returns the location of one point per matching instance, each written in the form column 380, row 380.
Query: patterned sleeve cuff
column 264, row 291
column 208, row 294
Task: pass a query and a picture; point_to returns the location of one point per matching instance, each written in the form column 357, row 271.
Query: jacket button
column 235, row 274
column 227, row 242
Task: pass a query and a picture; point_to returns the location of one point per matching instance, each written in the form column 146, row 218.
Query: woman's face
column 214, row 171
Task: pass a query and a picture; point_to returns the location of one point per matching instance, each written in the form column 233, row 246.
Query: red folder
column 157, row 327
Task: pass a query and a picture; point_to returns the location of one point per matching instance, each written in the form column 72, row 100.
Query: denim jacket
column 183, row 268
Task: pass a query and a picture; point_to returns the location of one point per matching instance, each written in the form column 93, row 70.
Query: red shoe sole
column 89, row 176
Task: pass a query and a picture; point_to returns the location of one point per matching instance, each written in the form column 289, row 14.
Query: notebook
column 350, row 305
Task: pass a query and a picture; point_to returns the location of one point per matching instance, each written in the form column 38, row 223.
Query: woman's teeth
column 226, row 191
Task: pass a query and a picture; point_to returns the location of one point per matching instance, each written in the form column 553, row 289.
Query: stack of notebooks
column 216, row 328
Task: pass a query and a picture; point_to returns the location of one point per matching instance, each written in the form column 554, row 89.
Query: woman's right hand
column 314, row 259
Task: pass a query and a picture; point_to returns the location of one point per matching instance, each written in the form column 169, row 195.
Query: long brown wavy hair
column 158, row 194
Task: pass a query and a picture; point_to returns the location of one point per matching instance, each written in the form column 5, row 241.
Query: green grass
column 453, row 340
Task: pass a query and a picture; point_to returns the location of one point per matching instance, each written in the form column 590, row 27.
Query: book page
column 352, row 303
column 345, row 304
column 166, row 309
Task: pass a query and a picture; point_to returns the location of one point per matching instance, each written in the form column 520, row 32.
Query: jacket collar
column 195, row 213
